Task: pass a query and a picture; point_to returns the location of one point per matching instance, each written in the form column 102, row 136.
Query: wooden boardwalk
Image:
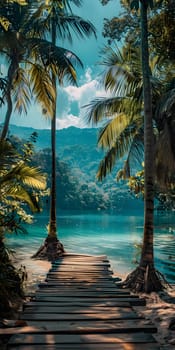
column 79, row 306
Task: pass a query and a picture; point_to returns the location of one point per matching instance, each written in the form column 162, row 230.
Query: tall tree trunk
column 149, row 161
column 147, row 255
column 11, row 74
column 52, row 220
column 52, row 232
column 52, row 248
column 145, row 278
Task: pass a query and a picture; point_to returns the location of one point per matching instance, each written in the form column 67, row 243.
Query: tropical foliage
column 21, row 185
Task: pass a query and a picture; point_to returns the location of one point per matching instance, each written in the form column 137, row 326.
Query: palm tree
column 60, row 20
column 47, row 61
column 145, row 277
column 119, row 136
column 27, row 78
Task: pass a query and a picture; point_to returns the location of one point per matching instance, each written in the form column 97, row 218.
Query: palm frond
column 107, row 164
column 135, row 155
column 101, row 108
column 42, row 87
column 4, row 22
column 122, row 74
column 125, row 172
column 65, row 21
column 33, row 24
column 20, row 193
column 56, row 58
column 67, row 24
column 20, row 2
column 119, row 148
column 30, row 176
column 21, row 87
column 115, row 127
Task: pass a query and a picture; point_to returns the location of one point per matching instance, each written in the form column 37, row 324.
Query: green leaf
column 4, row 23
column 20, row 2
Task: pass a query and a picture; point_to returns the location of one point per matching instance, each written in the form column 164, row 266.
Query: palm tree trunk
column 11, row 73
column 8, row 114
column 52, row 232
column 145, row 278
column 52, row 222
column 149, row 161
column 52, row 248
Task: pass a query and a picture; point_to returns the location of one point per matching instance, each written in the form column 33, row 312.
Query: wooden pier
column 80, row 307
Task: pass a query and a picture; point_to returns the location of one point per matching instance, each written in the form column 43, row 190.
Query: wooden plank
column 77, row 284
column 84, row 281
column 92, row 338
column 89, row 326
column 36, row 307
column 82, row 292
column 82, row 272
column 80, row 339
column 132, row 300
column 47, row 315
column 75, row 337
column 79, row 304
column 80, row 276
column 66, row 262
column 84, row 346
column 82, row 256
column 51, row 288
column 72, row 267
column 80, row 265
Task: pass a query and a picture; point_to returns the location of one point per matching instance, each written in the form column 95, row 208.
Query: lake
column 117, row 236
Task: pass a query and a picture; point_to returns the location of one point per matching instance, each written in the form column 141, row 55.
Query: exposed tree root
column 145, row 279
column 51, row 250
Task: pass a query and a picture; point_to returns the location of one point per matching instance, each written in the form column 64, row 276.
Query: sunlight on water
column 114, row 235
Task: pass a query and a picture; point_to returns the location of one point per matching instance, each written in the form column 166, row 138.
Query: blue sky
column 70, row 98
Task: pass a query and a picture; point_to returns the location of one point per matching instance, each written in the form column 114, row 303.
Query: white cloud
column 88, row 74
column 70, row 120
column 81, row 95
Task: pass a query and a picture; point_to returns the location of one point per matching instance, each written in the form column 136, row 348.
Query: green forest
column 77, row 163
column 130, row 152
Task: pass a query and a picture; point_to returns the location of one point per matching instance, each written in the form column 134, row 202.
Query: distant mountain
column 77, row 149
column 65, row 137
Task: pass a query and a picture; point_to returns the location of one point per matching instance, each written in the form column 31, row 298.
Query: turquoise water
column 113, row 235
